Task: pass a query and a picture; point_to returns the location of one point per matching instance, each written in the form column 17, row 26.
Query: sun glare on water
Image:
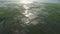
column 27, row 13
column 25, row 1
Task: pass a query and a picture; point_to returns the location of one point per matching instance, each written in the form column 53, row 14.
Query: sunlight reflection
column 25, row 1
column 27, row 12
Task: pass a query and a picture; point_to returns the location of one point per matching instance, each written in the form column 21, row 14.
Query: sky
column 48, row 1
column 33, row 0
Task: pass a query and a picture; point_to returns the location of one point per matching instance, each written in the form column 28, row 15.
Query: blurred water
column 33, row 10
column 32, row 7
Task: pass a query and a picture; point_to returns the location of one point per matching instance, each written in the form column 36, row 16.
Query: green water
column 42, row 18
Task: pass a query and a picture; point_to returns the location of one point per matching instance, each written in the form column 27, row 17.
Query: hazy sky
column 47, row 1
column 50, row 1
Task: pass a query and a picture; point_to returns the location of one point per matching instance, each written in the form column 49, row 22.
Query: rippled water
column 32, row 11
column 32, row 8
